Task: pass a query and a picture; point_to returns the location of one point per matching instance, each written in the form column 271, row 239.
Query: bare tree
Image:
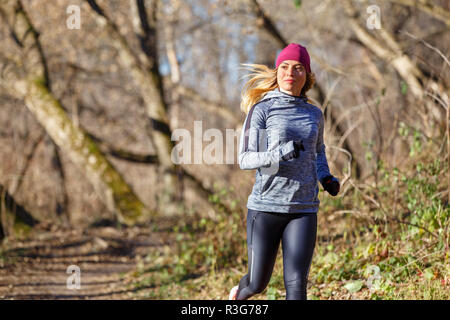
column 28, row 79
column 149, row 81
column 13, row 216
column 390, row 51
column 432, row 9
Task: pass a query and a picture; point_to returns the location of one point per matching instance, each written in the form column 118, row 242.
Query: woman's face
column 291, row 77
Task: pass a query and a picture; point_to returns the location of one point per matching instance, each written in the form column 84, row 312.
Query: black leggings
column 264, row 232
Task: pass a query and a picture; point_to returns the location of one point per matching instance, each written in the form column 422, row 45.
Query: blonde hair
column 262, row 80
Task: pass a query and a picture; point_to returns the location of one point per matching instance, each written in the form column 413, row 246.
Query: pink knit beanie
column 296, row 52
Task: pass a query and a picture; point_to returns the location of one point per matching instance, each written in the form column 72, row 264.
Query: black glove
column 294, row 152
column 331, row 185
column 298, row 145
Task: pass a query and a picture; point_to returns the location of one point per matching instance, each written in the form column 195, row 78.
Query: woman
column 282, row 138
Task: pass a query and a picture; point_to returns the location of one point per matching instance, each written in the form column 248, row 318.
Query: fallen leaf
column 354, row 286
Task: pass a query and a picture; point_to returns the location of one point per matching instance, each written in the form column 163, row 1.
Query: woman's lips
column 289, row 80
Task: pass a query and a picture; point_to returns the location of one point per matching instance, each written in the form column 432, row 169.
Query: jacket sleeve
column 253, row 142
column 322, row 164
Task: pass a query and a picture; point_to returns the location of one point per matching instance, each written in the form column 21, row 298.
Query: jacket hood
column 276, row 93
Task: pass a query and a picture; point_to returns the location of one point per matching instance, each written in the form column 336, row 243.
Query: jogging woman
column 282, row 138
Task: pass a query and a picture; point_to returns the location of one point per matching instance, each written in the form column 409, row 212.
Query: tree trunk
column 14, row 219
column 433, row 10
column 391, row 53
column 148, row 80
column 29, row 81
column 113, row 190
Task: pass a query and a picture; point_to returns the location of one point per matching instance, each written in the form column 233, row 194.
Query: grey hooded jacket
column 268, row 133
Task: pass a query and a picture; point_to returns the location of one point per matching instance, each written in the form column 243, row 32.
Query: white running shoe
column 233, row 293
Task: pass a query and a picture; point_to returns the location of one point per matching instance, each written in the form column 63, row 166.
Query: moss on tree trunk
column 84, row 152
column 14, row 218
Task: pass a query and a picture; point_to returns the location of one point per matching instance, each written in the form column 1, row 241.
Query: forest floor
column 36, row 267
column 173, row 258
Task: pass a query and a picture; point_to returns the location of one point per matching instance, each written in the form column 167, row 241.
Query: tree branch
column 433, row 10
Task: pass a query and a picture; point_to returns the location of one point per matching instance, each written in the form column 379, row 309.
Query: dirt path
column 36, row 268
